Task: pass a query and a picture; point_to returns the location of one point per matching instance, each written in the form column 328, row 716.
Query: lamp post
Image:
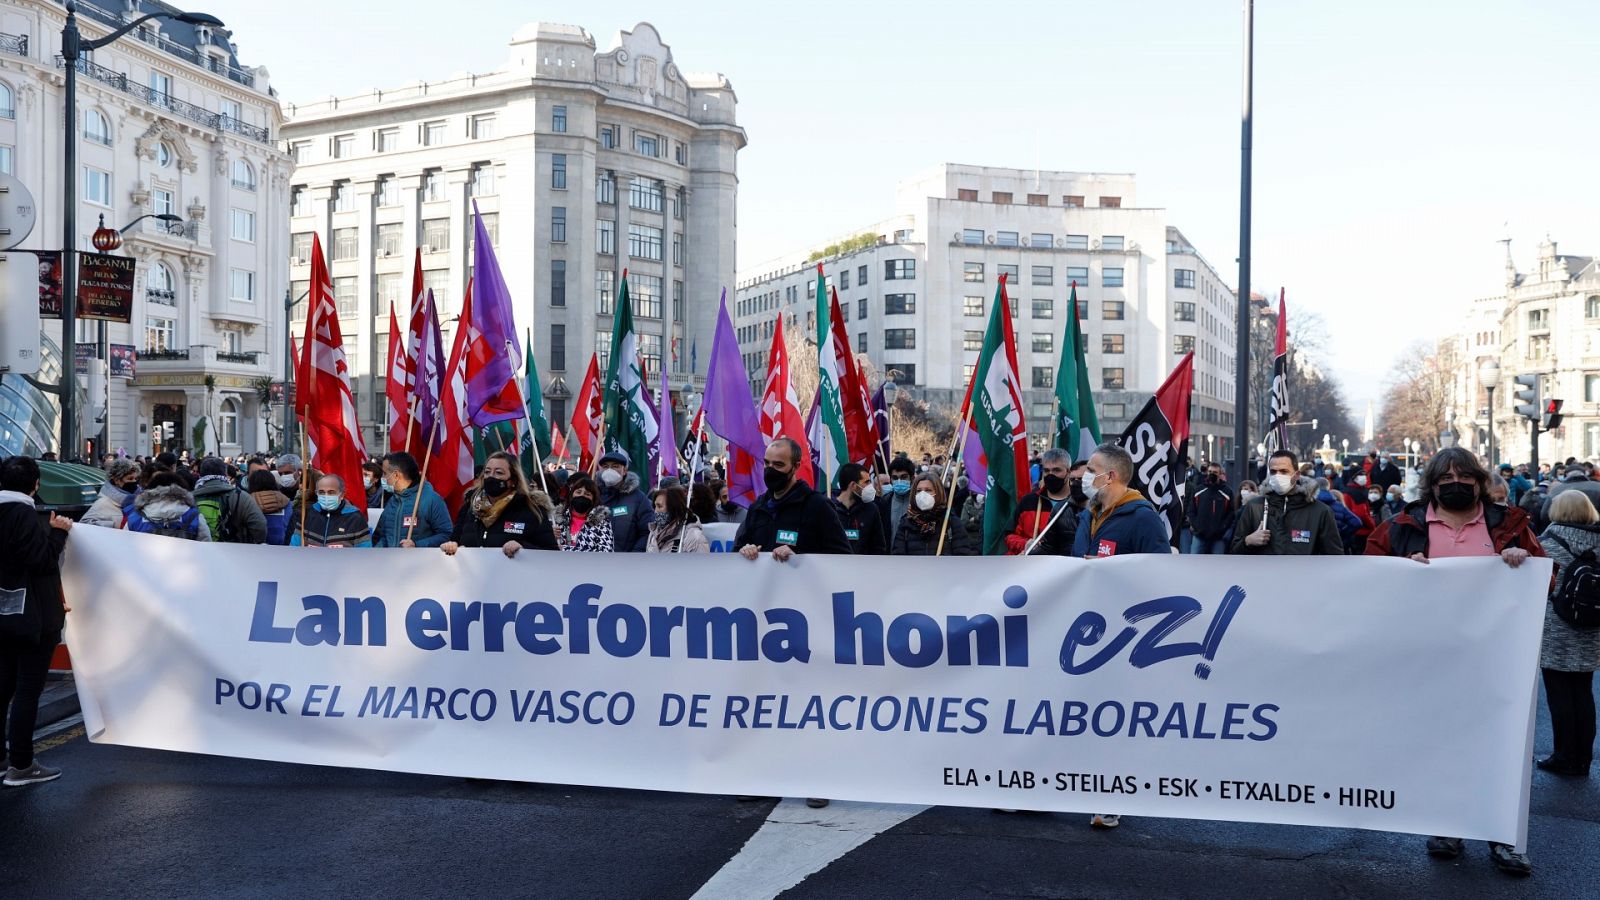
column 289, row 303
column 1489, row 375
column 890, row 391
column 73, row 46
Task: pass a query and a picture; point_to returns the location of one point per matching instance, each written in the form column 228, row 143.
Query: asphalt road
column 141, row 823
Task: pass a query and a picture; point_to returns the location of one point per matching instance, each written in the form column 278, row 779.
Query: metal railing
column 14, row 43
column 245, row 356
column 166, row 101
column 161, row 296
column 158, row 354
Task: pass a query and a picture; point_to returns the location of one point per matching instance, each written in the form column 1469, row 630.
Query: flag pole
column 305, row 469
column 599, row 447
column 411, row 422
column 533, row 437
column 427, row 457
column 949, row 494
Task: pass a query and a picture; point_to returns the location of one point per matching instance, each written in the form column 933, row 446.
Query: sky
column 1395, row 143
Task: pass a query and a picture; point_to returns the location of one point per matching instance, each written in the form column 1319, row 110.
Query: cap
column 617, row 456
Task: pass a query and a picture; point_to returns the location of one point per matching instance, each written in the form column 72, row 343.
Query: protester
column 1287, row 520
column 1453, row 517
column 274, row 506
column 231, row 515
column 1211, row 514
column 1499, row 490
column 32, row 612
column 857, row 509
column 415, row 515
column 503, row 511
column 631, row 511
column 1036, row 512
column 925, row 526
column 1384, row 474
column 290, row 471
column 166, row 507
column 122, row 482
column 1573, row 478
column 893, row 504
column 790, row 517
column 675, row 529
column 703, row 503
column 1119, row 520
column 581, row 525
column 372, row 482
column 727, row 510
column 1568, row 656
column 332, row 521
column 1248, row 490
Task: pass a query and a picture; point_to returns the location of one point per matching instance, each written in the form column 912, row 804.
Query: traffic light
column 1528, row 397
column 1552, row 415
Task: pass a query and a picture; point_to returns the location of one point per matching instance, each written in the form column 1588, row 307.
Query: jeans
column 1571, row 699
column 23, row 667
column 1211, row 546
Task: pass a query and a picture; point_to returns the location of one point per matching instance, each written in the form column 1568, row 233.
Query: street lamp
column 289, row 303
column 1345, row 443
column 73, row 46
column 890, row 391
column 1489, row 375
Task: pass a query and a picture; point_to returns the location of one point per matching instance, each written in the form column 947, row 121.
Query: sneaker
column 1508, row 860
column 1105, row 820
column 34, row 774
column 816, row 802
column 1445, row 847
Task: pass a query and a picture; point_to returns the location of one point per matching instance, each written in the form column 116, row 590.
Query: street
column 138, row 823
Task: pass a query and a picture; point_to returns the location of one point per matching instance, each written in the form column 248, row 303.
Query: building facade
column 583, row 165
column 169, row 122
column 916, row 291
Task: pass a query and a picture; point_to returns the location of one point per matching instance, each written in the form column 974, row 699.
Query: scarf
column 488, row 511
column 926, row 522
column 1096, row 519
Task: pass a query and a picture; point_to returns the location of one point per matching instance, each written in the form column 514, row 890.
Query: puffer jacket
column 1032, row 518
column 1299, row 525
column 275, row 509
column 165, row 507
column 106, row 511
column 1564, row 648
column 631, row 514
column 911, row 540
column 524, row 521
column 347, row 527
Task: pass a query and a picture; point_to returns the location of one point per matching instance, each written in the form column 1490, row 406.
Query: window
column 1591, row 388
column 435, row 235
column 1111, row 310
column 1077, row 275
column 1041, row 239
column 607, row 236
column 232, row 340
column 1110, row 202
column 1183, row 311
column 905, row 374
column 605, row 289
column 481, row 127
column 345, row 243
column 158, row 285
column 1043, row 275
column 1008, row 272
column 645, row 194
column 861, row 277
column 899, row 304
column 8, row 160
column 972, row 340
column 1538, row 319
column 388, row 239
column 1073, row 200
column 558, row 171
column 899, row 339
column 161, row 86
column 298, row 293
column 1083, row 309
column 608, row 137
column 1110, row 343
column 650, row 355
column 1043, row 308
column 558, row 354
column 389, row 291
column 344, row 197
column 1115, row 410
column 95, row 126
column 388, row 191
column 231, row 109
column 482, row 181
column 242, row 285
column 605, row 189
column 644, row 242
column 297, row 201
column 1111, row 379
column 677, row 303
column 300, row 248
column 1112, row 242
column 433, row 184
column 1591, row 306
column 972, row 271
column 1001, row 197
column 899, row 269
column 164, row 155
column 344, row 296
column 646, row 144
column 244, row 177
column 1044, row 342
column 1539, row 346
column 1111, row 277
column 558, row 224
column 242, row 225
column 966, row 194
column 160, row 334
column 300, row 152
column 558, row 282
column 1077, row 242
column 386, row 140
column 844, row 280
column 558, row 119
column 1006, row 238
column 432, row 134
column 1183, row 278
column 1182, row 343
column 677, row 249
column 8, row 102
column 680, row 152
column 1038, row 199
column 97, row 187
column 861, row 309
column 645, row 292
column 972, row 305
column 1044, row 377
column 972, row 235
column 678, row 204
column 344, row 146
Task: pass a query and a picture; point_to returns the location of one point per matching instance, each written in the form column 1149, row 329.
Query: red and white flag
column 451, row 472
column 324, row 401
column 397, row 387
column 587, row 415
column 780, row 408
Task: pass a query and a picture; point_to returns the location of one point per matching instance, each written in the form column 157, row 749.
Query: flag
column 451, row 471
column 880, row 427
column 814, row 430
column 424, row 364
column 587, row 416
column 667, row 443
column 780, row 408
column 694, row 355
column 324, row 400
column 996, row 449
column 558, row 445
column 834, row 447
column 405, row 373
column 1077, row 426
column 730, row 413
column 492, row 394
column 694, row 443
column 538, row 421
column 630, row 422
column 1278, row 401
column 396, row 382
column 1155, row 440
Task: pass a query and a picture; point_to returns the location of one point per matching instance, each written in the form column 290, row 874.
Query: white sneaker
column 1105, row 820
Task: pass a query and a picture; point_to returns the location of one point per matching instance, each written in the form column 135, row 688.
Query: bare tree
column 1416, row 404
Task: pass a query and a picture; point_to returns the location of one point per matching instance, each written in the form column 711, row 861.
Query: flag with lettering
column 1155, row 439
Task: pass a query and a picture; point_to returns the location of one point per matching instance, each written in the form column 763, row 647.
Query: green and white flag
column 997, row 446
column 1077, row 426
column 533, row 391
column 833, row 450
column 630, row 422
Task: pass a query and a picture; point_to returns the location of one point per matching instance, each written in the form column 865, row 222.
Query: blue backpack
column 186, row 526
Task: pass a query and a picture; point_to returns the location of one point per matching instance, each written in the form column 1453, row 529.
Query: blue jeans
column 1200, row 545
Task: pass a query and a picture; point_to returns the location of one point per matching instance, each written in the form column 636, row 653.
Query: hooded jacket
column 345, row 528
column 1298, row 524
column 801, row 518
column 525, row 521
column 30, row 559
column 247, row 524
column 106, row 511
column 165, row 507
column 1131, row 526
column 631, row 514
column 433, row 526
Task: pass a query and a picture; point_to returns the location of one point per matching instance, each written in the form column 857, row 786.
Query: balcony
column 168, row 355
column 201, row 359
column 161, row 295
column 14, row 43
column 155, row 39
column 247, row 357
column 160, row 100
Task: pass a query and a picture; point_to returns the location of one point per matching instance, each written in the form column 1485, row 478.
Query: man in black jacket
column 863, row 527
column 1210, row 514
column 790, row 517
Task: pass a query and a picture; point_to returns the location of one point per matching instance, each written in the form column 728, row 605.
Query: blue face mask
column 900, row 488
column 328, row 503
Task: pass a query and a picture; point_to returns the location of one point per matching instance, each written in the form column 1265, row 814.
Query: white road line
column 797, row 841
column 54, row 727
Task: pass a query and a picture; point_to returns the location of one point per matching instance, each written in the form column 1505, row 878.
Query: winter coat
column 1386, row 476
column 911, row 540
column 802, row 518
column 1132, row 526
column 1564, row 648
column 596, row 535
column 1211, row 512
column 863, row 527
column 30, row 560
column 1297, row 523
column 664, row 538
column 165, row 507
column 245, row 521
column 1407, row 533
column 1590, row 489
column 1347, row 522
column 345, row 528
column 736, row 516
column 631, row 514
column 892, row 508
column 1032, row 524
column 1518, row 485
column 524, row 521
column 275, row 510
column 433, row 526
column 106, row 511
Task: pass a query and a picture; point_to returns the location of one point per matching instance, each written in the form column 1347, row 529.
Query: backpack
column 186, row 526
column 219, row 515
column 1577, row 595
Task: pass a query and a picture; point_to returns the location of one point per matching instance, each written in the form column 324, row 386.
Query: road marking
column 796, row 842
column 58, row 727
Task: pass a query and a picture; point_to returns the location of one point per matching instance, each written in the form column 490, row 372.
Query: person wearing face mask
column 1211, row 514
column 676, row 529
column 856, row 506
column 727, row 510
column 331, row 522
column 372, row 481
column 1036, row 522
column 275, row 509
column 893, row 503
column 790, row 517
column 415, row 515
column 1453, row 516
column 582, row 525
column 503, row 512
column 703, row 502
column 919, row 531
column 1499, row 491
column 290, row 469
column 1385, row 474
column 1286, row 519
column 1393, row 502
column 631, row 511
column 122, row 482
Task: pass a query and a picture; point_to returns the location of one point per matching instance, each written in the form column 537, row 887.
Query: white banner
column 1366, row 693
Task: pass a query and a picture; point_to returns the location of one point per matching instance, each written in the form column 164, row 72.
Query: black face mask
column 1456, row 496
column 1212, row 481
column 494, row 487
column 581, row 505
column 1053, row 483
column 1077, row 491
column 728, row 506
column 775, row 480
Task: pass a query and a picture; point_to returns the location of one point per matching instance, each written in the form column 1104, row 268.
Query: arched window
column 96, row 128
column 1591, row 307
column 228, row 423
column 244, row 177
column 158, row 285
column 8, row 103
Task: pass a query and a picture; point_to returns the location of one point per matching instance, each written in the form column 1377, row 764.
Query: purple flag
column 493, row 353
column 667, row 440
column 430, row 368
column 880, row 421
column 814, row 437
column 730, row 411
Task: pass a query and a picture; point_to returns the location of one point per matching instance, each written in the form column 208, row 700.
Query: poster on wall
column 123, row 359
column 49, row 283
column 105, row 287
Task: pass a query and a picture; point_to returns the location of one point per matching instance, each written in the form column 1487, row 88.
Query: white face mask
column 286, row 480
column 1373, row 497
column 924, row 500
column 610, row 477
column 1246, row 496
column 1090, row 489
column 869, row 494
column 1280, row 483
column 1361, row 480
